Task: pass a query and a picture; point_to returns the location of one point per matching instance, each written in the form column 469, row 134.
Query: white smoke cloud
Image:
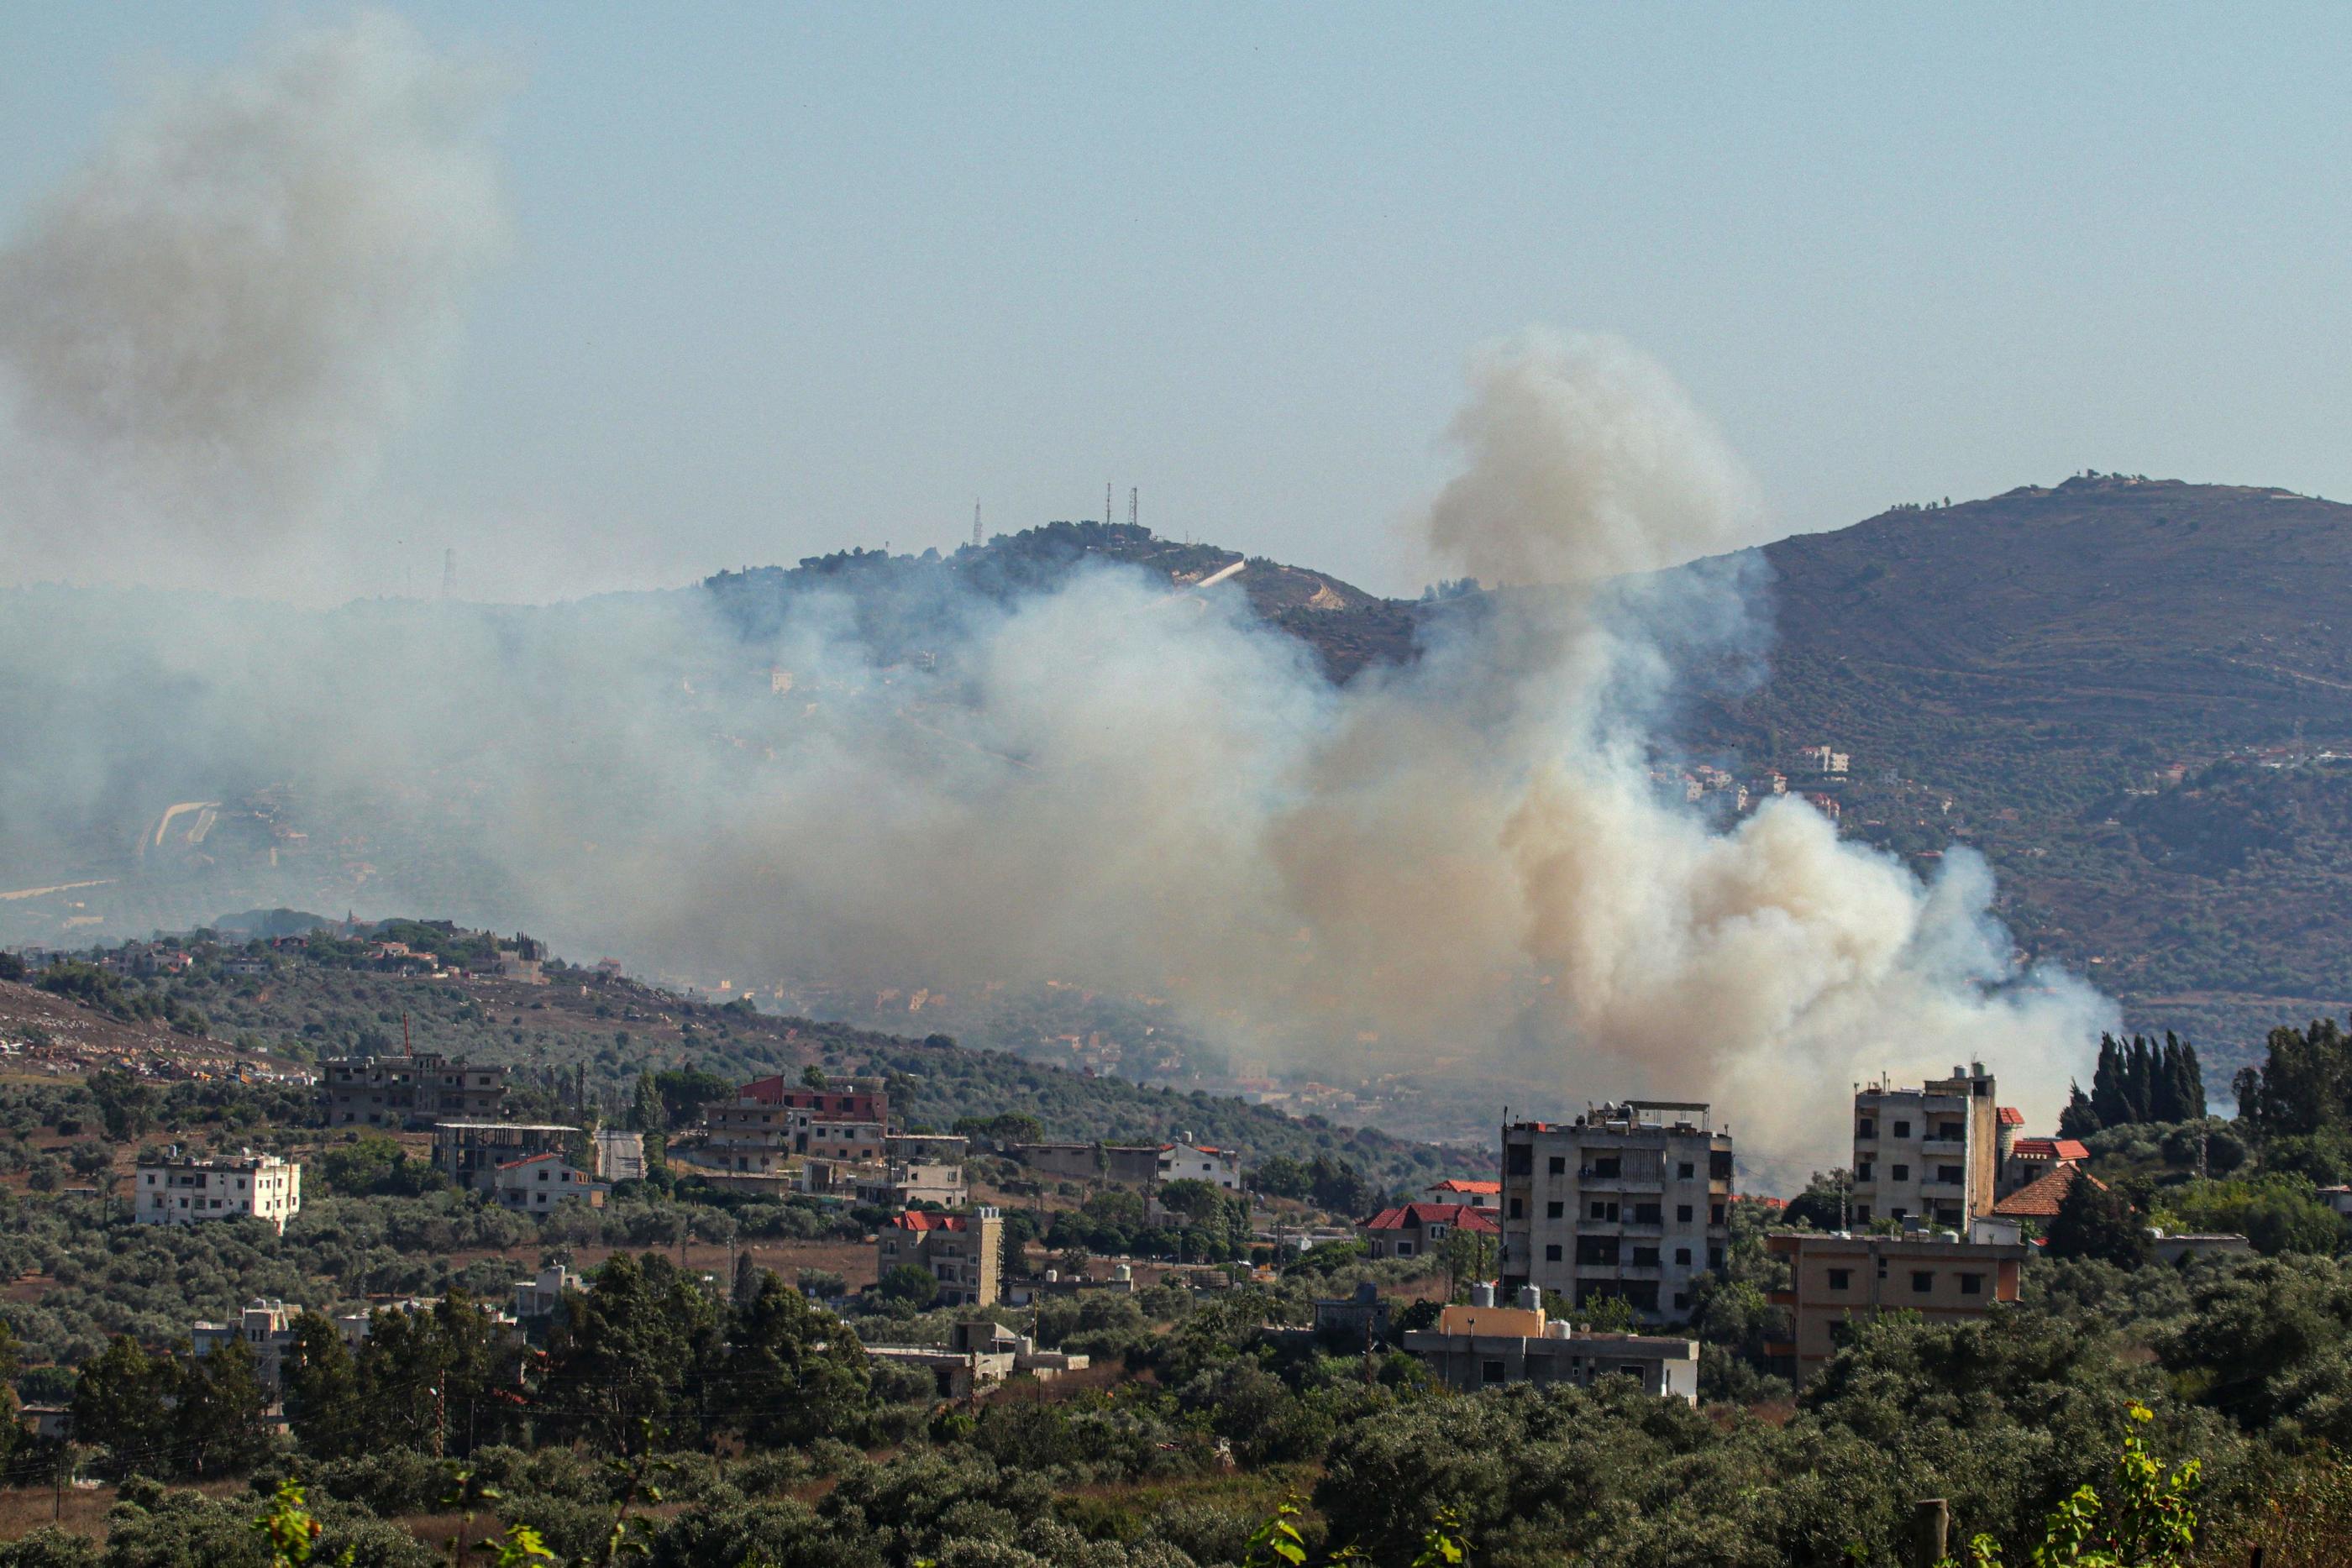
column 1584, row 460
column 1460, row 864
column 209, row 334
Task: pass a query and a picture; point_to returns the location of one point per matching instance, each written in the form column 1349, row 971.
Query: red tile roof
column 1413, row 1216
column 923, row 1219
column 2039, row 1198
column 2011, row 1116
column 2049, row 1149
column 528, row 1160
column 1456, row 1183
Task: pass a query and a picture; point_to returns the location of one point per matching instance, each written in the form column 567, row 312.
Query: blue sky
column 790, row 279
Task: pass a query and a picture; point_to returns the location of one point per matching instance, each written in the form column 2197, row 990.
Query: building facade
column 536, row 1184
column 1482, row 1345
column 1930, row 1155
column 470, row 1152
column 1630, row 1200
column 1838, row 1279
column 1198, row 1162
column 1418, row 1230
column 408, row 1091
column 175, row 1191
column 962, row 1251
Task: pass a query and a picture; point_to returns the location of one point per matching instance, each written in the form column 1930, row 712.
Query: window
column 1922, row 1282
column 1902, row 1129
column 1682, row 1300
column 1840, row 1279
column 1518, row 1209
column 1715, row 1214
column 1404, row 1248
column 1684, row 1171
column 1862, row 1213
column 1972, row 1284
column 1861, row 1170
column 1948, row 1174
column 1900, row 1173
column 1865, row 1128
column 1645, row 1256
column 1608, row 1166
column 1681, row 1214
column 1555, row 1210
column 1645, row 1214
column 1560, row 1164
column 1490, row 1372
column 1682, row 1256
column 1551, row 1253
column 1715, row 1257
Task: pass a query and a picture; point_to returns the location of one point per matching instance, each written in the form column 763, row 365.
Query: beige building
column 1930, row 1155
column 175, row 1191
column 1836, row 1279
column 1630, row 1200
column 536, row 1184
column 1482, row 1345
column 962, row 1251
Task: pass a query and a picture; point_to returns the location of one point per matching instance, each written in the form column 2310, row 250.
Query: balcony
column 1950, row 1149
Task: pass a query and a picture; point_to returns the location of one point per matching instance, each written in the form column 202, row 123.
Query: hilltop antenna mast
column 449, row 573
column 975, row 525
column 1106, row 503
column 1130, row 506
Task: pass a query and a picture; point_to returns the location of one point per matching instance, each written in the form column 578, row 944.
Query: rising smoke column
column 208, row 334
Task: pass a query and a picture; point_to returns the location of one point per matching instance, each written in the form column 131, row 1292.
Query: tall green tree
column 121, row 1403
column 794, row 1372
column 217, row 1411
column 321, row 1382
column 2095, row 1221
column 627, row 1367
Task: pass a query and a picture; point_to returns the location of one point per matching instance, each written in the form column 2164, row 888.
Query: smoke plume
column 1478, row 861
column 208, row 335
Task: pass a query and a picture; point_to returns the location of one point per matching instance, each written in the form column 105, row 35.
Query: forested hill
column 2134, row 696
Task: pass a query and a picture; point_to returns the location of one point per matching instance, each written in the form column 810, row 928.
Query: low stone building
column 1482, row 1345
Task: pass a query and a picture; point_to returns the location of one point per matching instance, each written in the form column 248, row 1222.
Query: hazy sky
column 793, row 278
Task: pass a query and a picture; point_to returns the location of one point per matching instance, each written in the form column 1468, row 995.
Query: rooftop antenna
column 449, row 573
column 975, row 525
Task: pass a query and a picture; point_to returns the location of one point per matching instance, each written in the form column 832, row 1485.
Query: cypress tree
column 2139, row 1076
column 2078, row 1120
column 2164, row 1093
column 2188, row 1083
column 2108, row 1101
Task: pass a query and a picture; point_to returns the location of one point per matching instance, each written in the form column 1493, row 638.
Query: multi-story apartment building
column 1929, row 1154
column 176, row 1191
column 1628, row 1200
column 959, row 1250
column 1835, row 1280
column 470, row 1152
column 408, row 1091
column 771, row 1119
column 537, row 1184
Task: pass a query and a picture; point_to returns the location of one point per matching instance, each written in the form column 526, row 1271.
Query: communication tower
column 975, row 525
column 449, row 573
column 1106, row 503
column 1130, row 506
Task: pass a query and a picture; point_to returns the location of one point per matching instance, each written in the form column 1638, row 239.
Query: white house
column 1195, row 1162
column 537, row 1183
column 176, row 1191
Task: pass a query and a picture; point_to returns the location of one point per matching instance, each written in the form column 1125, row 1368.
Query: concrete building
column 905, row 1184
column 539, row 1295
column 1361, row 1318
column 978, row 1357
column 770, row 1120
column 1121, row 1165
column 1930, row 1154
column 1836, row 1281
column 470, row 1152
column 175, row 1191
column 1630, row 1200
column 1183, row 1161
column 936, row 1149
column 266, row 1328
column 1418, row 1230
column 536, row 1184
column 962, row 1251
column 1482, row 1345
column 2175, row 1247
column 408, row 1091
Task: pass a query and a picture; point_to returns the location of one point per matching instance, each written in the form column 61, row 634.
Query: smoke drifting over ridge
column 1465, row 860
column 208, row 335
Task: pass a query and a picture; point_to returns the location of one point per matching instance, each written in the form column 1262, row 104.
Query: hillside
column 2128, row 694
column 610, row 1028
